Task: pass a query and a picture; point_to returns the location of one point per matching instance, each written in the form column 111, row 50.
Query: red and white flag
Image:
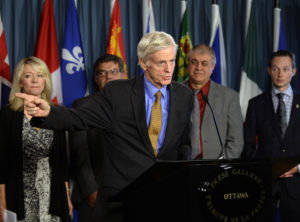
column 5, row 77
column 46, row 48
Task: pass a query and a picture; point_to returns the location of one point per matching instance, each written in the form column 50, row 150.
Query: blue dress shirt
column 150, row 91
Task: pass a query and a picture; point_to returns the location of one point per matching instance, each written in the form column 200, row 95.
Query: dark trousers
column 85, row 212
column 289, row 206
column 106, row 211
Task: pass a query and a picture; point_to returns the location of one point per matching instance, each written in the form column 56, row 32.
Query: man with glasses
column 224, row 103
column 272, row 129
column 86, row 148
column 144, row 119
column 107, row 68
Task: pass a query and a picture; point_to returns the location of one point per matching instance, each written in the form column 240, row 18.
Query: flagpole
column 248, row 11
column 278, row 35
column 112, row 3
column 183, row 7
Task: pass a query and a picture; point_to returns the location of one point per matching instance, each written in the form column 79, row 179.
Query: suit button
column 283, row 150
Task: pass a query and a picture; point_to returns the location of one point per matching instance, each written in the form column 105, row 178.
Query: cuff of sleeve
column 37, row 121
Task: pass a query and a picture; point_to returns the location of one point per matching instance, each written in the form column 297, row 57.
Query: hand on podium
column 290, row 173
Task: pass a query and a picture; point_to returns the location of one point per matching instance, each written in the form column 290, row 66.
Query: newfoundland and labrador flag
column 219, row 74
column 148, row 17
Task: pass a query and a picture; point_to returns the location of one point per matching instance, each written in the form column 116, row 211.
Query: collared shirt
column 287, row 99
column 288, row 102
column 202, row 105
column 150, row 91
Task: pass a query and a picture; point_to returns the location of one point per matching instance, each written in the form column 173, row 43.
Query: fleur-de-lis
column 75, row 59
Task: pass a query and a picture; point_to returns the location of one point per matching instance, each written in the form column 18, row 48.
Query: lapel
column 173, row 105
column 269, row 110
column 138, row 105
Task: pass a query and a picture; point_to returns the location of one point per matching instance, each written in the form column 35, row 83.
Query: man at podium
column 143, row 119
column 272, row 131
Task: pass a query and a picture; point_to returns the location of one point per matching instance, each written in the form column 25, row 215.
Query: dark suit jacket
column 261, row 122
column 120, row 111
column 86, row 154
column 11, row 166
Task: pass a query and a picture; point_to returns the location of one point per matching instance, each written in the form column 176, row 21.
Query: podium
column 208, row 191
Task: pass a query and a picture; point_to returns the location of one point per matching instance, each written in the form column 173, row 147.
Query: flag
column 5, row 77
column 148, row 17
column 185, row 45
column 251, row 81
column 115, row 44
column 46, row 48
column 148, row 20
column 219, row 74
column 72, row 64
column 279, row 42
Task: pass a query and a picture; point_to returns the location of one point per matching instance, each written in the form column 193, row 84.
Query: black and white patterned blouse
column 36, row 144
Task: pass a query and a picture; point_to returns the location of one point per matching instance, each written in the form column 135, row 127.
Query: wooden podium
column 208, row 191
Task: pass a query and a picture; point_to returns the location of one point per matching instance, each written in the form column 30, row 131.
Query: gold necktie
column 155, row 124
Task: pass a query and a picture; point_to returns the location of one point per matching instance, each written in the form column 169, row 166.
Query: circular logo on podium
column 235, row 195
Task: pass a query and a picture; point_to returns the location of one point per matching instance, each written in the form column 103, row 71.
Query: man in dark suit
column 124, row 111
column 272, row 130
column 86, row 146
column 224, row 103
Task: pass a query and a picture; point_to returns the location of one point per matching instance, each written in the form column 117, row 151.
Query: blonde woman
column 33, row 162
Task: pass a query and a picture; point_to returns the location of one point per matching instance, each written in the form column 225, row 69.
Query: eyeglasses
column 102, row 73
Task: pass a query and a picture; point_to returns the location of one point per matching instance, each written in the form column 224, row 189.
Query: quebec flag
column 72, row 64
column 219, row 74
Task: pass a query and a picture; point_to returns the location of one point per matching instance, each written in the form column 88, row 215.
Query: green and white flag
column 251, row 81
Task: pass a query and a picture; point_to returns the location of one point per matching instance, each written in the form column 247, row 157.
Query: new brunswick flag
column 115, row 44
column 185, row 45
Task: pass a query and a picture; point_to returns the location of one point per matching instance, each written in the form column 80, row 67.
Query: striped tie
column 155, row 124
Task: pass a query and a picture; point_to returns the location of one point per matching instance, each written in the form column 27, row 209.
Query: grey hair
column 153, row 42
column 203, row 49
